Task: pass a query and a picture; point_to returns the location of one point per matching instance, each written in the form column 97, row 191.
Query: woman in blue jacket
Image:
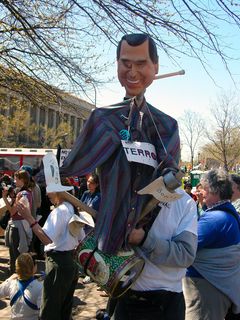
column 212, row 283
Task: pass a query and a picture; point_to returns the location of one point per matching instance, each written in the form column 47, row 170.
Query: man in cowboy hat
column 60, row 235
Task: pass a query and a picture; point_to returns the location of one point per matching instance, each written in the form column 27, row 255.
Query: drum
column 115, row 274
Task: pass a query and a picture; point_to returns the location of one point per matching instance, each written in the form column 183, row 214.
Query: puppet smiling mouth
column 133, row 81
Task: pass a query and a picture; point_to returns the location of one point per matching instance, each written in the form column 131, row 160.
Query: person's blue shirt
column 92, row 199
column 217, row 229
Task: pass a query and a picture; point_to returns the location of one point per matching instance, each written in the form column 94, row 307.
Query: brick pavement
column 87, row 299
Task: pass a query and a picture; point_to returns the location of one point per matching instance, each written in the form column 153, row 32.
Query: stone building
column 69, row 108
column 46, row 111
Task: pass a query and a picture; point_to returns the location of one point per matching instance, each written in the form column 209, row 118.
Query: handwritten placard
column 158, row 189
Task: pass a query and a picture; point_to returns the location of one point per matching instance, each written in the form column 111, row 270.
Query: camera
column 7, row 187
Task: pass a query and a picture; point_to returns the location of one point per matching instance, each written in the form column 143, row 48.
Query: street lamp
column 95, row 91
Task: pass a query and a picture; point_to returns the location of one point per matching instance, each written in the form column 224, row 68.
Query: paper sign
column 63, row 155
column 141, row 152
column 158, row 189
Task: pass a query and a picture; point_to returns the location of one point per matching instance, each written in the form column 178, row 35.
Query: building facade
column 47, row 114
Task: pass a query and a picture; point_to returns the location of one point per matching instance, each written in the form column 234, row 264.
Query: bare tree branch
column 192, row 128
column 55, row 40
column 224, row 138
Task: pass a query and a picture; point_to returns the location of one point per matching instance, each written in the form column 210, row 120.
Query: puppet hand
column 136, row 236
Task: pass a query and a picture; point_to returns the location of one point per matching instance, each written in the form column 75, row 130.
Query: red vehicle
column 11, row 159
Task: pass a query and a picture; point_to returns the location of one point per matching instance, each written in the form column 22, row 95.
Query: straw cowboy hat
column 52, row 176
column 77, row 222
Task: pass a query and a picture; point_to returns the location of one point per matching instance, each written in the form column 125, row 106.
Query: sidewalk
column 86, row 297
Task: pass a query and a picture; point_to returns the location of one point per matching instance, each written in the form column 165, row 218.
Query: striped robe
column 99, row 146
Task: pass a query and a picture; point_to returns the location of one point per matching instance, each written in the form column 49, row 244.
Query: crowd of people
column 190, row 242
column 51, row 298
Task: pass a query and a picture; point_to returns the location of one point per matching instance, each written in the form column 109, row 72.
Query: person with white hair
column 212, row 283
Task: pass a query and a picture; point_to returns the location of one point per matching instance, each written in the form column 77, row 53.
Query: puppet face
column 136, row 71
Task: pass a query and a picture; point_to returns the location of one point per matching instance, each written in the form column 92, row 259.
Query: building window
column 65, row 117
column 33, row 114
column 72, row 121
column 57, row 119
column 42, row 117
column 78, row 125
column 50, row 118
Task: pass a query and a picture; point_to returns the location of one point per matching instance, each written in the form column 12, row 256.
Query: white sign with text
column 141, row 152
column 63, row 155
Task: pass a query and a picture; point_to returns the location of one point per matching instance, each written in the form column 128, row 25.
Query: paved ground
column 87, row 299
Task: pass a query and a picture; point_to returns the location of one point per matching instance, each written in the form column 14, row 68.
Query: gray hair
column 218, row 182
column 236, row 179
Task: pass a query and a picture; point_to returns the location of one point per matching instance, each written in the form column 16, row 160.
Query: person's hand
column 18, row 196
column 199, row 197
column 5, row 192
column 24, row 210
column 13, row 276
column 136, row 236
